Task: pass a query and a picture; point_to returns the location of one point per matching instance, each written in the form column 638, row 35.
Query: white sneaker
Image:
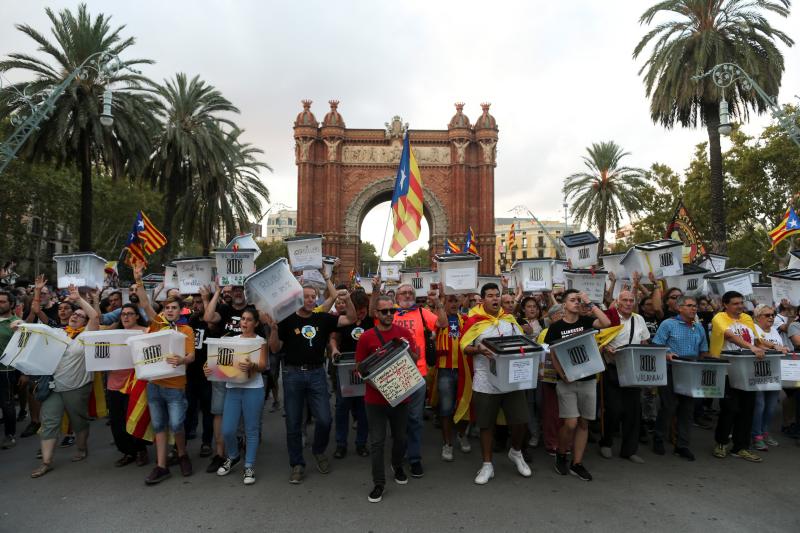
column 447, row 452
column 516, row 458
column 484, row 474
column 249, row 476
column 463, row 442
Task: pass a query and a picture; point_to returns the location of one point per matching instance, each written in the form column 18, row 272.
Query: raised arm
column 93, row 322
column 36, row 306
column 376, row 291
column 350, row 310
column 210, row 315
column 144, row 301
column 438, row 308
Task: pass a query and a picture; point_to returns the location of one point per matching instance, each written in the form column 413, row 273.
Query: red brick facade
column 342, row 173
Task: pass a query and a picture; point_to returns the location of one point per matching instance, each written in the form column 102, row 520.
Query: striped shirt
column 448, row 347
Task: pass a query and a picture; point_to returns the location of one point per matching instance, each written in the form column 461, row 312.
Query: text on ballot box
column 458, row 273
column 304, row 251
column 749, row 373
column 35, row 349
column 194, row 273
column 80, row 269
column 393, row 372
column 699, row 378
column 515, row 362
column 534, row 274
column 790, row 371
column 233, row 266
column 350, row 382
column 275, row 290
column 107, row 349
column 150, row 352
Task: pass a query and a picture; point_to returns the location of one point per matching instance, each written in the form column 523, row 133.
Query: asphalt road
column 665, row 494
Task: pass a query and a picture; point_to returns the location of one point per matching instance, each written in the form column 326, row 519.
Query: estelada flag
column 451, row 248
column 789, row 225
column 469, row 242
column 406, row 201
column 682, row 228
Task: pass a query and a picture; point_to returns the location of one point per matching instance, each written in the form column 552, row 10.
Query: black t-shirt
column 652, row 323
column 562, row 329
column 194, row 370
column 229, row 320
column 305, row 338
column 349, row 335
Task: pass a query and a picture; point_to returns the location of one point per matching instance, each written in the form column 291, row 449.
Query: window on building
column 65, row 248
column 513, row 255
column 540, row 242
column 51, row 248
column 558, row 232
column 289, row 221
column 524, row 242
column 524, row 254
column 540, row 253
column 36, row 226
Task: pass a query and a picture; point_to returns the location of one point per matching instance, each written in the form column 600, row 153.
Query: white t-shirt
column 774, row 336
column 640, row 331
column 71, row 374
column 480, row 380
column 257, row 380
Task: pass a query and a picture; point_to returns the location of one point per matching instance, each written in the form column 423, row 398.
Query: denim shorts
column 447, row 387
column 217, row 397
column 167, row 407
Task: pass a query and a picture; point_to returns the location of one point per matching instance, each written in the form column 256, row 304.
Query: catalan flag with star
column 406, row 201
column 789, row 225
column 469, row 242
column 144, row 238
column 451, row 248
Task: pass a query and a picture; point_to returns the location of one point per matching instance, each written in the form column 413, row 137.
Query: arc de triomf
column 342, row 173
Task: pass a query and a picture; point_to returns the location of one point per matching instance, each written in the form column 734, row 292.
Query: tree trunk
column 85, row 166
column 170, row 203
column 719, row 233
column 601, row 229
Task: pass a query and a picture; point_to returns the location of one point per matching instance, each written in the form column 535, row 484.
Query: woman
column 671, row 302
column 132, row 448
column 72, row 387
column 766, row 401
column 244, row 400
column 531, row 317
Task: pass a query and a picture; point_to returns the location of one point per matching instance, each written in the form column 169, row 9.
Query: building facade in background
column 532, row 242
column 280, row 225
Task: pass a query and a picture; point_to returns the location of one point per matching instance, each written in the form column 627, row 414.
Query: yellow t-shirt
column 741, row 327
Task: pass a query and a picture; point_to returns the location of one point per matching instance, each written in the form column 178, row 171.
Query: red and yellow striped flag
column 512, row 238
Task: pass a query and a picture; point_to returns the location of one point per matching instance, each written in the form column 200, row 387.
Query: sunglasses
column 385, row 312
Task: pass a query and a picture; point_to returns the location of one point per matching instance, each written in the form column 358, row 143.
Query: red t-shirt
column 368, row 343
column 411, row 319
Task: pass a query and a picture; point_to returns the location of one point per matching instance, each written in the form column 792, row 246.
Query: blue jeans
column 766, row 403
column 447, row 387
column 248, row 404
column 300, row 386
column 167, row 407
column 416, row 408
column 343, row 407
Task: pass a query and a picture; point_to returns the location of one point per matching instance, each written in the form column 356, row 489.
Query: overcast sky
column 559, row 75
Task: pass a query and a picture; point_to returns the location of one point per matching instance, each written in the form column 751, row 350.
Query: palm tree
column 602, row 194
column 191, row 143
column 72, row 133
column 702, row 34
column 225, row 200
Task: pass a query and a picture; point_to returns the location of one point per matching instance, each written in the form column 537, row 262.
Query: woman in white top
column 71, row 387
column 244, row 400
column 766, row 401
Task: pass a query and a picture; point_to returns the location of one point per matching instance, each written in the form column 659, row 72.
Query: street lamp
column 106, row 119
column 726, row 74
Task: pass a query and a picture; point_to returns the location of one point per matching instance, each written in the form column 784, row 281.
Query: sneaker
column 362, row 450
column 447, row 452
column 551, row 452
column 759, row 444
column 635, row 459
column 463, row 443
column 400, row 476
column 205, row 450
column 142, row 458
column 8, row 442
column 298, row 472
column 67, row 441
column 340, row 452
column 577, row 469
column 720, row 451
column 605, row 452
column 31, row 430
column 416, row 470
column 747, row 455
column 249, row 476
column 186, row 465
column 533, row 442
column 227, row 466
column 522, row 467
column 376, row 495
column 561, row 464
column 323, row 465
column 684, row 452
column 658, row 447
column 216, row 462
column 769, row 440
column 157, row 476
column 484, row 474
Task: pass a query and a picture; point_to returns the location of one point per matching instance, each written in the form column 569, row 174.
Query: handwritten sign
column 390, row 271
column 305, row 254
column 459, row 279
column 593, row 285
column 192, row 275
column 520, row 370
column 397, row 380
column 782, row 289
column 276, row 289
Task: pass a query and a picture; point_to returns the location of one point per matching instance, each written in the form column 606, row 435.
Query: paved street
column 666, row 494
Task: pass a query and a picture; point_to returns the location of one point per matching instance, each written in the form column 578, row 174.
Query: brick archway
column 343, row 173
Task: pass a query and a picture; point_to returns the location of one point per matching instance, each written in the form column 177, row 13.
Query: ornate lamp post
column 726, row 74
column 39, row 105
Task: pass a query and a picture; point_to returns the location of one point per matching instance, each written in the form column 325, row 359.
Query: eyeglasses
column 386, row 312
column 767, row 315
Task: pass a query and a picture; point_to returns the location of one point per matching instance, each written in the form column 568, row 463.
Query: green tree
column 369, row 258
column 419, row 259
column 72, row 133
column 601, row 195
column 190, row 144
column 270, row 251
column 700, row 35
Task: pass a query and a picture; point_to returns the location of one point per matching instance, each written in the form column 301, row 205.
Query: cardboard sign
column 194, row 274
column 305, row 254
column 394, row 381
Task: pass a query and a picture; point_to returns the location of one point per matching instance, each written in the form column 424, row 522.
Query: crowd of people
column 444, row 335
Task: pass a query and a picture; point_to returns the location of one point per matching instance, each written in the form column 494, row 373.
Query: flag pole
column 385, row 232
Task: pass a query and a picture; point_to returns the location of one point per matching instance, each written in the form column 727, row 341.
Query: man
column 304, row 336
column 733, row 329
column 486, row 321
column 224, row 316
column 683, row 336
column 453, row 374
column 622, row 405
column 507, row 303
column 379, row 413
column 166, row 398
column 548, row 378
column 198, row 388
column 345, row 340
column 8, row 375
column 420, row 322
column 577, row 401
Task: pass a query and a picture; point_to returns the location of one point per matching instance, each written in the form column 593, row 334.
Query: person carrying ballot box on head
column 379, row 412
